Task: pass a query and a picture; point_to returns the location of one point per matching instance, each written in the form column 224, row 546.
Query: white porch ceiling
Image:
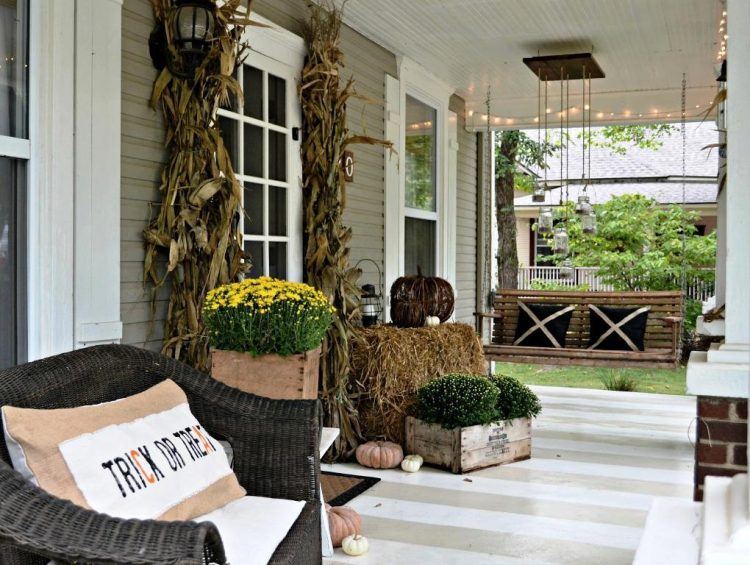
column 643, row 46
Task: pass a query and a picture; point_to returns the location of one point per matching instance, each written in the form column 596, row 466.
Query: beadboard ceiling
column 643, row 46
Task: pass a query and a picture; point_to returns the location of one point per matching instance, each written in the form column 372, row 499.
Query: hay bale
column 389, row 365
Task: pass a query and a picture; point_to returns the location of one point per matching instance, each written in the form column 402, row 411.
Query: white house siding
column 466, row 217
column 143, row 155
column 523, row 242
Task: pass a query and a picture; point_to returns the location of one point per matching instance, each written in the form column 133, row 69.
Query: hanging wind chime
column 564, row 68
column 539, row 194
column 546, row 220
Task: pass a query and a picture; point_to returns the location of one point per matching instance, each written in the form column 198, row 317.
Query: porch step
column 672, row 533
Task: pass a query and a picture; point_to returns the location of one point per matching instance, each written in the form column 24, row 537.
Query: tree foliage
column 619, row 138
column 639, row 244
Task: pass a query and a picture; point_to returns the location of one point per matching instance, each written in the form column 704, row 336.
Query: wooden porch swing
column 661, row 340
column 593, row 329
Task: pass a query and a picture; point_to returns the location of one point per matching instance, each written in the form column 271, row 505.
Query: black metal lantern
column 194, row 23
column 371, row 299
column 372, row 306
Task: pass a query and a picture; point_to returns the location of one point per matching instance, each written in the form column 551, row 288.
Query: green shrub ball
column 459, row 401
column 515, row 399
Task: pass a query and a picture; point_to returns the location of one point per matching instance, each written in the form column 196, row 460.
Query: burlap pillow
column 145, row 456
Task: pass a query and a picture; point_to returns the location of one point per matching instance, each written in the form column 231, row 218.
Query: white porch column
column 722, row 376
column 738, row 176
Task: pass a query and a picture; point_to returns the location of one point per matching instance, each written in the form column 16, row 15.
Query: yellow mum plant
column 266, row 315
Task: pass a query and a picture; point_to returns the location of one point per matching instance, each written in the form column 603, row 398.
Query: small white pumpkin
column 355, row 545
column 432, row 321
column 412, row 463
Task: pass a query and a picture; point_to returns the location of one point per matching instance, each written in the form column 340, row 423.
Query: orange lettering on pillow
column 207, row 445
column 149, row 477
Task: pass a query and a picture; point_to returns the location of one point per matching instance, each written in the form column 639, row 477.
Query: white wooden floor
column 598, row 460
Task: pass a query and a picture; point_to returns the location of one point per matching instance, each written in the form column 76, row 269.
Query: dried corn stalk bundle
column 194, row 228
column 324, row 96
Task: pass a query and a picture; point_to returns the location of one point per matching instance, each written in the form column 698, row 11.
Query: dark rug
column 340, row 488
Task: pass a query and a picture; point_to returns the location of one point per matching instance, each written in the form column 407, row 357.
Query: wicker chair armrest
column 275, row 442
column 44, row 525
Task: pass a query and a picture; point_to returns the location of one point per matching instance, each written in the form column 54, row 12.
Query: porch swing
column 596, row 329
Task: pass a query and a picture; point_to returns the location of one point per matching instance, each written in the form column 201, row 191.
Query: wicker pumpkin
column 343, row 522
column 380, row 455
column 414, row 298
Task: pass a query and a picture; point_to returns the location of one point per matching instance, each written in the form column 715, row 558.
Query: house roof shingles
column 656, row 174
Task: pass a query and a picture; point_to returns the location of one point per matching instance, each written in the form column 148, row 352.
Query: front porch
column 600, row 458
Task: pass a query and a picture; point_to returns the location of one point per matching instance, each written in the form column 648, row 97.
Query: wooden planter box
column 465, row 449
column 289, row 378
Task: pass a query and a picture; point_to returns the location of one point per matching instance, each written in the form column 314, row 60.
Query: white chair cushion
column 252, row 527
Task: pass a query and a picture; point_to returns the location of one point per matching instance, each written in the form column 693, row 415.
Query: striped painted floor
column 599, row 458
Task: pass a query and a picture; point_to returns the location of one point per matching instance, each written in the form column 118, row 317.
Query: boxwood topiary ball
column 458, row 401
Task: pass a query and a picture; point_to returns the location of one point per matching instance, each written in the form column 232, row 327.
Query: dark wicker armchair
column 275, row 446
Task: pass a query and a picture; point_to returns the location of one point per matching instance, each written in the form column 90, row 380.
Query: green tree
column 513, row 149
column 516, row 153
column 638, row 244
column 619, row 138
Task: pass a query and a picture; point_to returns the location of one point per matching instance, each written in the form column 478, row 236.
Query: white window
column 261, row 133
column 420, row 207
column 420, row 188
column 15, row 151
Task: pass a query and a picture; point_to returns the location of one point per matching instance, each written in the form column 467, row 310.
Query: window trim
column 418, row 83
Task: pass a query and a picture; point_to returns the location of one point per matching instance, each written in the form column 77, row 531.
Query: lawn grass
column 663, row 381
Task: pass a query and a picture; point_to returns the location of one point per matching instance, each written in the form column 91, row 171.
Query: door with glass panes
column 261, row 132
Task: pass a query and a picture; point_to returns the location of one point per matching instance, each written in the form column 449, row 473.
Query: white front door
column 261, row 132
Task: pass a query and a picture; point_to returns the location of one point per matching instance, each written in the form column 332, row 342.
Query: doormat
column 340, row 488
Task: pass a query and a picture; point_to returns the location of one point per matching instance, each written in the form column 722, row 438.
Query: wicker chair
column 275, row 446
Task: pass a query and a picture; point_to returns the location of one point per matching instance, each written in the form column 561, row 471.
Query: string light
column 653, row 113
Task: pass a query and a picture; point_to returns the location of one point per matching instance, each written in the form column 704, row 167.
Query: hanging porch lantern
column 539, row 194
column 588, row 223
column 194, row 23
column 583, row 206
column 560, row 241
column 546, row 220
column 567, row 271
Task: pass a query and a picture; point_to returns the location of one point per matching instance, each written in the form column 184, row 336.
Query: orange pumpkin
column 343, row 522
column 380, row 454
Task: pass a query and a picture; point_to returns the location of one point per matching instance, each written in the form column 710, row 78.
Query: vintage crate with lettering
column 466, row 449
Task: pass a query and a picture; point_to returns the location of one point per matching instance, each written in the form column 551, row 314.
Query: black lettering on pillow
column 201, row 451
column 108, row 466
column 171, row 461
column 136, row 469
column 124, row 468
column 157, row 473
column 173, row 450
column 178, row 435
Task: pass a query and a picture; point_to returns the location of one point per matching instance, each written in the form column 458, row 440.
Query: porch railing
column 697, row 289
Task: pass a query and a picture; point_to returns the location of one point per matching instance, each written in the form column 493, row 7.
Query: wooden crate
column 466, row 449
column 287, row 378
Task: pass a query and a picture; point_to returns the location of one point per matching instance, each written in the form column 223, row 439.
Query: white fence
column 588, row 276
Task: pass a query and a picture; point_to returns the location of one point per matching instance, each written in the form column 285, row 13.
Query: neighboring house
column 656, row 174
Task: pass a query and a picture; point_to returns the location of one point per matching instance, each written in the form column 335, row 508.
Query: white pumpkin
column 355, row 545
column 412, row 463
column 432, row 321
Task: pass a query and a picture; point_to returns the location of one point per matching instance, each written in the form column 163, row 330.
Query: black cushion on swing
column 557, row 326
column 634, row 329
